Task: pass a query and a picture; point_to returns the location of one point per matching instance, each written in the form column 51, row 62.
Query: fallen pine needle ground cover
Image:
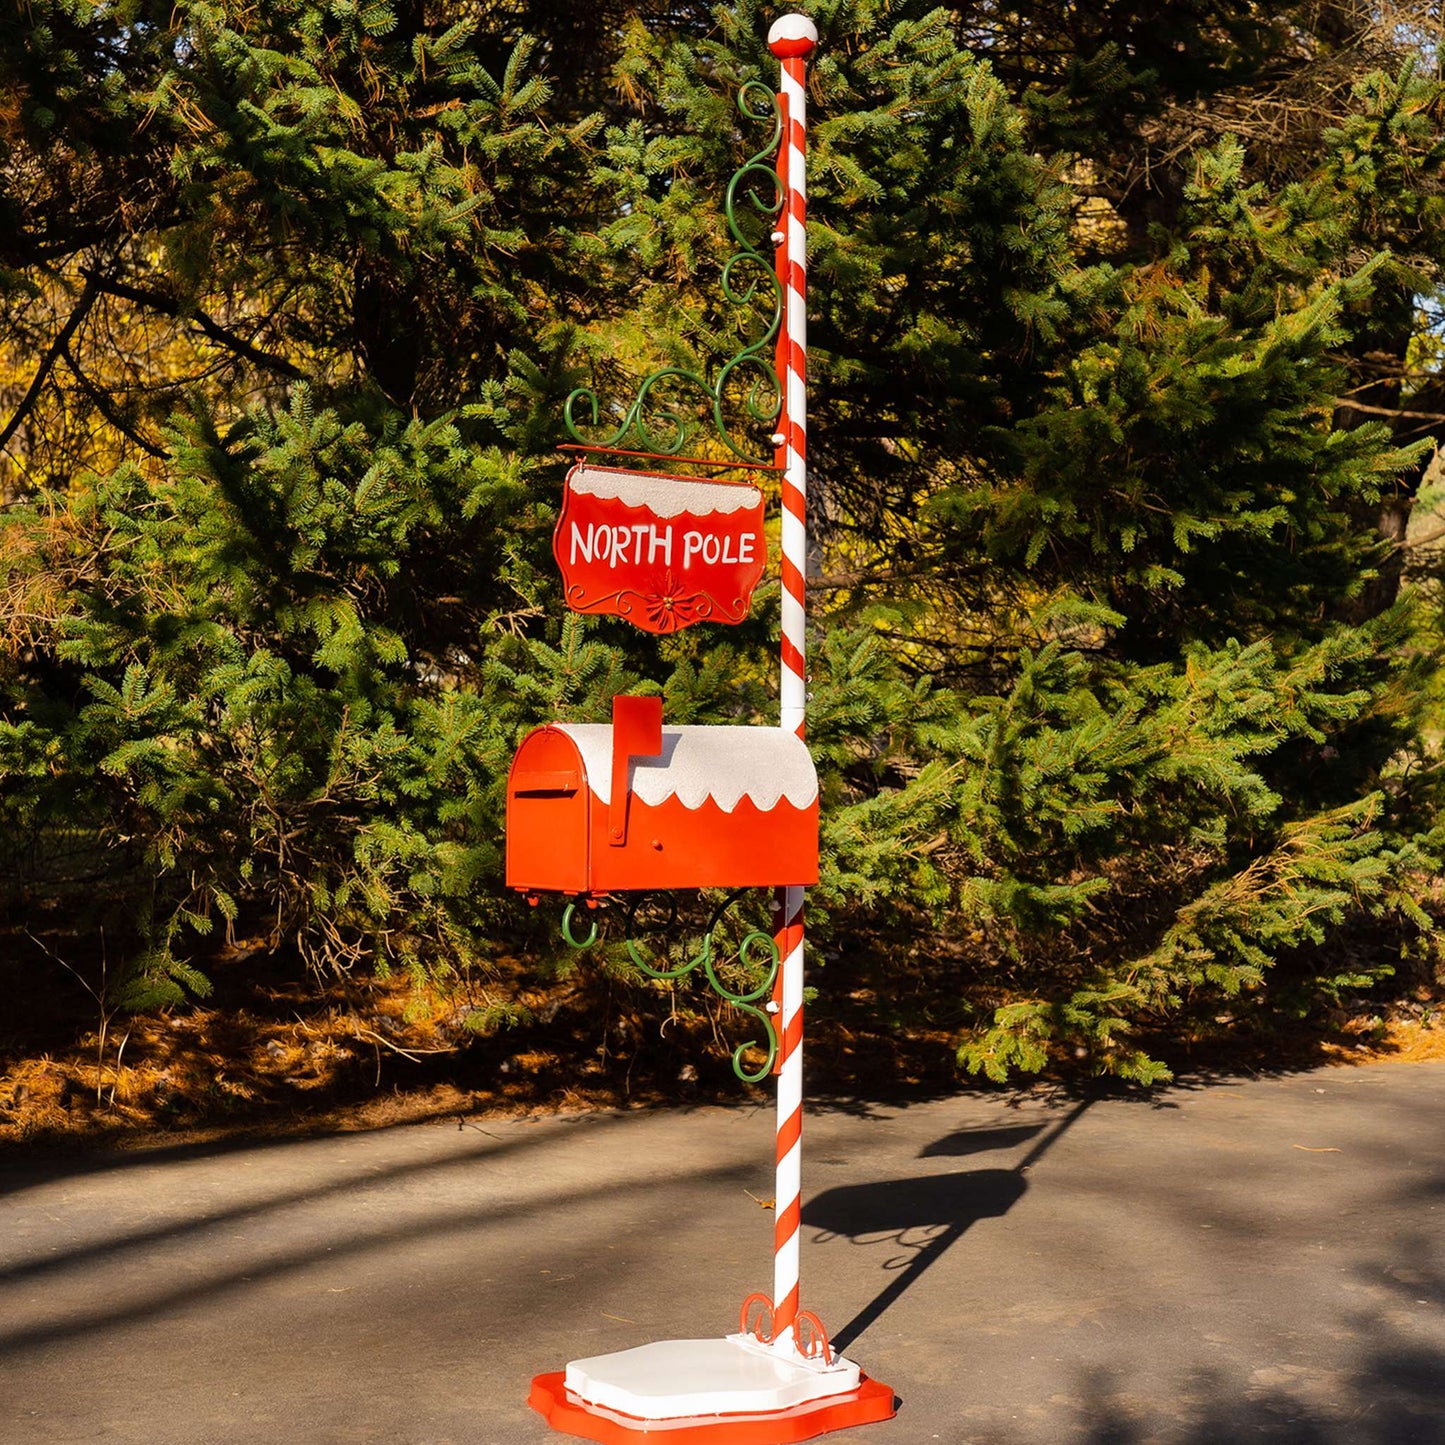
column 275, row 1051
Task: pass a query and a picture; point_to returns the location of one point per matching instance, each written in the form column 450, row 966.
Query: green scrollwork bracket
column 746, row 1001
column 758, row 956
column 749, row 280
column 569, row 937
column 757, row 959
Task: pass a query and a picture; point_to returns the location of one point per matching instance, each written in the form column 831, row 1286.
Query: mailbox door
column 547, row 833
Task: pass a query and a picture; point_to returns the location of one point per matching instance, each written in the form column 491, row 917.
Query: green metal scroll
column 650, row 424
column 757, row 958
column 572, row 941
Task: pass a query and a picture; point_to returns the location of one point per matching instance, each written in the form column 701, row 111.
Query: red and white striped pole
column 712, row 1389
column 791, row 39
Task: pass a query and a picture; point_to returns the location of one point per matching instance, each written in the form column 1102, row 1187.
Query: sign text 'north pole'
column 663, row 552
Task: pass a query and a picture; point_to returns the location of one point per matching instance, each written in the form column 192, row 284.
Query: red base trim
column 563, row 1411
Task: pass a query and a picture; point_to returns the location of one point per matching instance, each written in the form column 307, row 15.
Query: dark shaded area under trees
column 1125, row 375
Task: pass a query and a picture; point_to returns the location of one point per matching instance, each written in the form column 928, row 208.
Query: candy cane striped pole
column 791, row 39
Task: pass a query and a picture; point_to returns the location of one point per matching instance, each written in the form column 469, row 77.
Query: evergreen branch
column 875, row 576
column 170, row 306
column 1392, row 411
column 47, row 362
column 28, row 250
column 1410, row 543
column 1386, row 369
column 107, row 408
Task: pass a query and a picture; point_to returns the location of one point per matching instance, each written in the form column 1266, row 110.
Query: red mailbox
column 633, row 805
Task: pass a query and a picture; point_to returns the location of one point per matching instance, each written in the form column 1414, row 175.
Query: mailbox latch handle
column 636, row 733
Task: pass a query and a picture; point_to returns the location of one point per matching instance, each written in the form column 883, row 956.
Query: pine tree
column 1087, row 480
column 258, row 663
column 1113, row 363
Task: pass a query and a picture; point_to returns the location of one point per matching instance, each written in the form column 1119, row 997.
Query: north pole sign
column 663, row 552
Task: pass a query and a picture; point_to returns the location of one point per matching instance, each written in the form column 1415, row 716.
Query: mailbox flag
column 663, row 552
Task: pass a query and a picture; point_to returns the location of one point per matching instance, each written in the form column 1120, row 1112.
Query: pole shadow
column 928, row 1214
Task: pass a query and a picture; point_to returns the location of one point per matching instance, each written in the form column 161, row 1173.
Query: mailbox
column 633, row 805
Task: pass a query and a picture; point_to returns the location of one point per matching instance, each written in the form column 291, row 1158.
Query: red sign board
column 663, row 552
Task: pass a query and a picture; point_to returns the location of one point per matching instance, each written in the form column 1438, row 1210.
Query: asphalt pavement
column 1248, row 1261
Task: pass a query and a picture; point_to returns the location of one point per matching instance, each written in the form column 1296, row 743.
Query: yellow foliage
column 94, row 364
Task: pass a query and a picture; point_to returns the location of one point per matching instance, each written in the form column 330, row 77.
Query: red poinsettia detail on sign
column 669, row 607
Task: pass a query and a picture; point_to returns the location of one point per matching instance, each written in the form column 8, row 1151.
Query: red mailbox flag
column 636, row 733
column 663, row 552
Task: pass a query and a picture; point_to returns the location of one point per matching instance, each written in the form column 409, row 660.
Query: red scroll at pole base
column 663, row 552
column 562, row 1410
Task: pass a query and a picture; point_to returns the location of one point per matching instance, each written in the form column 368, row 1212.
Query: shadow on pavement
column 941, row 1208
column 234, row 1272
column 927, row 1215
column 272, row 1200
column 979, row 1141
column 1391, row 1398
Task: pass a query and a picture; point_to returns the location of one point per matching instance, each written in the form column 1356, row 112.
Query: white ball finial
column 792, row 35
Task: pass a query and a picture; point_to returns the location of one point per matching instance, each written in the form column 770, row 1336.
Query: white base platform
column 673, row 1379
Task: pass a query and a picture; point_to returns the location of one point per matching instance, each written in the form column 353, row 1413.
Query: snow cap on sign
column 698, row 764
column 664, row 496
